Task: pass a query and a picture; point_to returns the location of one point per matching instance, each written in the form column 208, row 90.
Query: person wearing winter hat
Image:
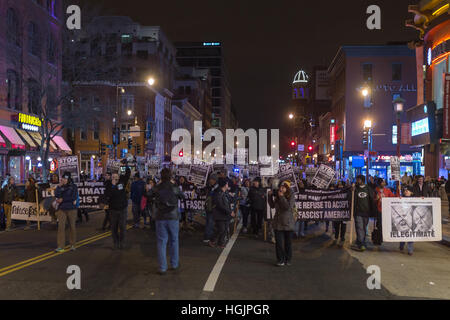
column 66, row 196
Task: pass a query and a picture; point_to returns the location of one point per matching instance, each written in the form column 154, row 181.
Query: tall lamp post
column 368, row 127
column 116, row 136
column 398, row 109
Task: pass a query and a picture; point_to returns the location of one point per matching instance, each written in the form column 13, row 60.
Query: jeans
column 136, row 210
column 410, row 246
column 300, row 228
column 283, row 245
column 118, row 221
column 167, row 235
column 257, row 218
column 209, row 226
column 221, row 232
column 245, row 213
column 361, row 226
column 339, row 229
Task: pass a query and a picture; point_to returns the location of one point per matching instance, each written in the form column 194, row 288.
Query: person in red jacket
column 381, row 192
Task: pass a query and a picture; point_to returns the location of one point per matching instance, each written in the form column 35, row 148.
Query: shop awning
column 37, row 136
column 62, row 144
column 12, row 136
column 26, row 137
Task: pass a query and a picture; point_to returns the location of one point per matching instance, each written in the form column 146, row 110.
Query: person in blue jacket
column 66, row 198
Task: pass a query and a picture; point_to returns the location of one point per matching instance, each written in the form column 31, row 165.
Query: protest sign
column 411, row 219
column 329, row 205
column 198, row 173
column 92, row 194
column 286, row 172
column 310, row 173
column 323, row 177
column 192, row 201
column 113, row 166
column 253, row 171
column 69, row 164
column 27, row 211
column 182, row 171
column 395, row 168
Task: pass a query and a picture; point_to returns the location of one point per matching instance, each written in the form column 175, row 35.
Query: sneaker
column 177, row 269
column 8, row 229
column 72, row 248
column 410, row 253
column 288, row 263
column 211, row 244
column 280, row 264
column 59, row 250
column 355, row 247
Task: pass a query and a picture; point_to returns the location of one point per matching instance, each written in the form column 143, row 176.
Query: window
column 396, row 71
column 188, row 89
column 367, row 71
column 13, row 98
column 216, row 82
column 51, row 49
column 12, row 27
column 33, row 39
column 127, row 103
column 83, row 135
column 96, row 130
column 33, row 96
column 216, row 92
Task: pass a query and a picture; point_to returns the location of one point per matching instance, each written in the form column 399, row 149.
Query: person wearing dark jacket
column 10, row 194
column 30, row 195
column 222, row 213
column 116, row 198
column 364, row 207
column 137, row 191
column 107, row 220
column 421, row 189
column 258, row 204
column 283, row 222
column 166, row 196
column 209, row 205
column 66, row 196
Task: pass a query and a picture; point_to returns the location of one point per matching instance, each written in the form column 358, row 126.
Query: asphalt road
column 320, row 270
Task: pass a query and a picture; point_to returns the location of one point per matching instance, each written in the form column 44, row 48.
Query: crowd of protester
column 156, row 200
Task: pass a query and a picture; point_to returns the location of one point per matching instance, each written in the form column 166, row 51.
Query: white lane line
column 215, row 273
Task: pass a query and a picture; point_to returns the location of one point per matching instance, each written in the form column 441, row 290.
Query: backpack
column 167, row 199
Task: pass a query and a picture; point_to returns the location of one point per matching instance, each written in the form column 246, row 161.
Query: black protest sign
column 69, row 164
column 323, row 177
column 310, row 173
column 286, row 173
column 193, row 201
column 183, row 171
column 198, row 174
column 92, row 194
column 113, row 166
column 329, row 205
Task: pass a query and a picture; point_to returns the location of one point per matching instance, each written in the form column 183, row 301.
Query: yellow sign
column 31, row 120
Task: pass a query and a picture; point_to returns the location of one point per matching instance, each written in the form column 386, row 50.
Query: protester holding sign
column 364, row 207
column 117, row 201
column 283, row 222
column 66, row 196
column 408, row 192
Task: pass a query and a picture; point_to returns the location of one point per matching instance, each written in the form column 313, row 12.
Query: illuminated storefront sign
column 213, row 44
column 420, row 127
column 439, row 51
column 332, row 134
column 28, row 122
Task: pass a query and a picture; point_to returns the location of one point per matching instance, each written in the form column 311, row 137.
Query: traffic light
column 138, row 148
column 293, row 144
column 365, row 139
column 130, row 143
column 102, row 149
column 180, row 154
column 310, row 148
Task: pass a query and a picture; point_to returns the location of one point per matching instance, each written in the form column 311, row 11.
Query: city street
column 320, row 270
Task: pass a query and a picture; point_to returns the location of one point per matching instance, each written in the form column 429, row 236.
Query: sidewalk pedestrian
column 222, row 213
column 283, row 222
column 66, row 196
column 137, row 191
column 10, row 194
column 117, row 201
column 363, row 209
column 166, row 196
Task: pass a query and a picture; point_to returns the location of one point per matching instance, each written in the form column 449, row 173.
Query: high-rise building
column 210, row 55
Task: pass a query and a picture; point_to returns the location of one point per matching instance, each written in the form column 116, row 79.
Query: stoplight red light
column 310, row 148
column 292, row 143
column 181, row 153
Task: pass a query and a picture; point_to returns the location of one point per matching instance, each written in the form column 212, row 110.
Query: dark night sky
column 267, row 42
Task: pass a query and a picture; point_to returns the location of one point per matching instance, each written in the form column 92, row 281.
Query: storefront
column 20, row 142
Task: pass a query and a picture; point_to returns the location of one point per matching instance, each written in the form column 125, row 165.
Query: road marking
column 46, row 256
column 215, row 273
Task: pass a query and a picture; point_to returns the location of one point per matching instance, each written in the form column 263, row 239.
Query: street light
column 365, row 92
column 368, row 124
column 129, row 112
column 291, row 116
column 151, row 81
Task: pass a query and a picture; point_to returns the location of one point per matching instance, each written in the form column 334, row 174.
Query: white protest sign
column 27, row 211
